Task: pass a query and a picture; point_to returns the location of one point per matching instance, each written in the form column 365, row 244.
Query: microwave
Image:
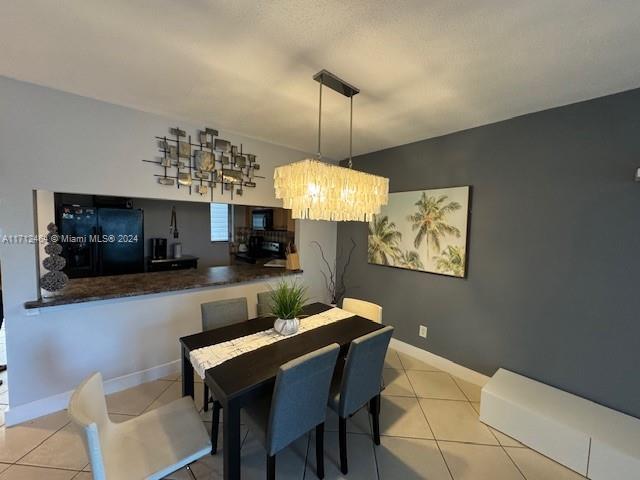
column 262, row 219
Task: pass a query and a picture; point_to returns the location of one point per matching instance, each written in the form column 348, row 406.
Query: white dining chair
column 363, row 308
column 150, row 446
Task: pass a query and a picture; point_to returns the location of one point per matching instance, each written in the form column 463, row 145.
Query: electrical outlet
column 423, row 331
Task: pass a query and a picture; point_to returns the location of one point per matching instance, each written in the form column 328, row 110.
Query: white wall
column 45, row 214
column 61, row 142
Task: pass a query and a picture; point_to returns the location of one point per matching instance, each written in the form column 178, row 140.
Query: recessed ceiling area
column 424, row 68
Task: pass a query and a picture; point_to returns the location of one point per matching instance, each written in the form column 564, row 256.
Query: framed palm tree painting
column 423, row 230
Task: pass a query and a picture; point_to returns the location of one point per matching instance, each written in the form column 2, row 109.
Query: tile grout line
column 423, row 438
column 415, row 394
column 306, row 457
column 35, row 465
column 431, row 430
column 62, row 469
column 44, row 440
column 436, row 440
column 502, row 446
column 373, row 445
column 460, row 388
column 375, row 458
column 588, row 458
column 514, row 462
column 471, row 405
column 146, row 409
column 47, row 438
column 465, row 399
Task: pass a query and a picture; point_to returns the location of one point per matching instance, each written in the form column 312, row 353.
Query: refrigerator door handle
column 99, row 250
column 93, row 253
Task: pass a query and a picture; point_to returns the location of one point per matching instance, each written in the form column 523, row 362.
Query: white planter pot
column 47, row 294
column 286, row 327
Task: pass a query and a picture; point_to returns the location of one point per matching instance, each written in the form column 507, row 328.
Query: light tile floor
column 429, row 424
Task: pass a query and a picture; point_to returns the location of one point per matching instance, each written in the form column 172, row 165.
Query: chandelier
column 315, row 190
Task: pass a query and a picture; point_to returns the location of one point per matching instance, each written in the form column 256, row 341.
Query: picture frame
column 423, row 230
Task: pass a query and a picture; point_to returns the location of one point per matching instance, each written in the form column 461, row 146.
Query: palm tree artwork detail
column 410, row 259
column 429, row 221
column 383, row 241
column 422, row 230
column 451, row 260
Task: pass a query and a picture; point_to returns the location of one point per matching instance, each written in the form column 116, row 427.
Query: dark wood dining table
column 236, row 382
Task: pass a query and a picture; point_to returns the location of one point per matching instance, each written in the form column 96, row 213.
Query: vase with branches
column 334, row 278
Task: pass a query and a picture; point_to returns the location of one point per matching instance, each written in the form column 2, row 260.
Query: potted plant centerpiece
column 287, row 300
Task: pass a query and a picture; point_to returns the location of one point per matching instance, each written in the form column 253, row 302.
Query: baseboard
column 55, row 403
column 440, row 362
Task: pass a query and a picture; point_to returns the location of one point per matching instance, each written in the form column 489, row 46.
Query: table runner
column 213, row 355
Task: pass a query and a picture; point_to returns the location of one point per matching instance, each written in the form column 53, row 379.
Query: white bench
column 593, row 440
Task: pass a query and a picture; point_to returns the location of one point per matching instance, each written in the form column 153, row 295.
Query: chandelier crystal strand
column 316, row 190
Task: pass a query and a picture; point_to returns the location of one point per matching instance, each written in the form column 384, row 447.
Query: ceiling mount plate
column 335, row 83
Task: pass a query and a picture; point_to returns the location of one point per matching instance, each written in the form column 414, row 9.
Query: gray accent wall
column 553, row 281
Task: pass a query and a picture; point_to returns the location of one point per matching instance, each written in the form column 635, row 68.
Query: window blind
column 219, row 222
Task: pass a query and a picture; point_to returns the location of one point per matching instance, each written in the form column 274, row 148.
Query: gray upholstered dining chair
column 359, row 383
column 264, row 304
column 220, row 313
column 224, row 312
column 298, row 405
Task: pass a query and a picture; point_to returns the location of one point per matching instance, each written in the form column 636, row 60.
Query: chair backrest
column 88, row 411
column 362, row 308
column 223, row 312
column 363, row 370
column 300, row 396
column 264, row 304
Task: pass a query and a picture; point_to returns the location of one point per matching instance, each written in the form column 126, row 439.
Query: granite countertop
column 80, row 290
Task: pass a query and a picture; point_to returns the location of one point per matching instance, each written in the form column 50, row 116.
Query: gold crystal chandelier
column 316, row 190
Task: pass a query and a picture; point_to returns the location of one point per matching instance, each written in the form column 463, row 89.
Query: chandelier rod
column 350, row 130
column 320, row 120
column 324, row 77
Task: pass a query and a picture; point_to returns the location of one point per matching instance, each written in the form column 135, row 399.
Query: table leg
column 187, row 374
column 231, row 441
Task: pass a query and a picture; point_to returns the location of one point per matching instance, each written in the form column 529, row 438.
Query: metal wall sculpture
column 200, row 166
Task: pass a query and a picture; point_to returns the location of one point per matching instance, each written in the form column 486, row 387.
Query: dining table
column 238, row 381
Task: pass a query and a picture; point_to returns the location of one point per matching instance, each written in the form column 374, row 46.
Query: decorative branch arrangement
column 202, row 165
column 334, row 280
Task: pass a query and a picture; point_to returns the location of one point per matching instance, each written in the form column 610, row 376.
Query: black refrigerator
column 101, row 241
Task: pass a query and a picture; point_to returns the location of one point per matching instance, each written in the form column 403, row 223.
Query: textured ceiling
column 424, row 67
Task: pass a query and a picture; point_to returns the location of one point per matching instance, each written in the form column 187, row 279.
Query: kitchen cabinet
column 281, row 218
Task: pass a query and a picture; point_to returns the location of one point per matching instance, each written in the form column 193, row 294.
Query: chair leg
column 374, row 408
column 193, row 475
column 206, row 398
column 215, row 426
column 271, row 467
column 320, row 451
column 342, row 427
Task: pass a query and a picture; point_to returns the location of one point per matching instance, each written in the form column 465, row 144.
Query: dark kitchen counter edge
column 82, row 290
